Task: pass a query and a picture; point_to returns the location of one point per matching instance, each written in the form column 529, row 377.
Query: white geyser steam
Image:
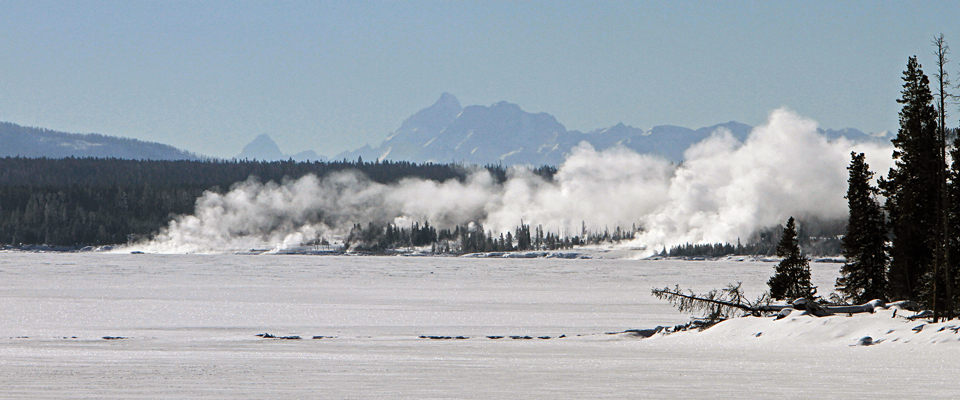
column 724, row 190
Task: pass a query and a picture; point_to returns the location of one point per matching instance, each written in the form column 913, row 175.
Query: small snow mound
column 784, row 313
column 921, row 315
column 877, row 304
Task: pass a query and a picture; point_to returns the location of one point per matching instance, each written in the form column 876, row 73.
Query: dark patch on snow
column 644, row 333
column 922, row 314
column 271, row 336
column 831, row 260
column 954, row 328
column 494, row 337
column 113, row 338
column 521, row 337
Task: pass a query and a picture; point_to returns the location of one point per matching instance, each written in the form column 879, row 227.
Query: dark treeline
column 816, row 236
column 78, row 215
column 62, row 172
column 471, row 238
column 907, row 245
column 93, row 201
column 704, row 250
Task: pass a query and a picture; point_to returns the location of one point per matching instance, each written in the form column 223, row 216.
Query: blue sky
column 331, row 76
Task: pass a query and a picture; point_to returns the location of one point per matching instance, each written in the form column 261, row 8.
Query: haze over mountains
column 441, row 133
column 22, row 141
column 265, row 149
column 504, row 133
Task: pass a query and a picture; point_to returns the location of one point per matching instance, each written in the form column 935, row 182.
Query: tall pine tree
column 792, row 277
column 944, row 269
column 863, row 276
column 912, row 191
column 952, row 274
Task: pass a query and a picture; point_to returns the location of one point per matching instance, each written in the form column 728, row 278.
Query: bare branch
column 715, row 305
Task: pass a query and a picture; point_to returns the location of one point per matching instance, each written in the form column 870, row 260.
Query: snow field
column 189, row 324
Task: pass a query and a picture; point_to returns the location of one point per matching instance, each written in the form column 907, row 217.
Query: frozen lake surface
column 189, row 326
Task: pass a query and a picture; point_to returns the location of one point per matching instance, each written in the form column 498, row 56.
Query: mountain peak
column 506, row 105
column 433, row 118
column 447, row 100
column 261, row 148
column 504, row 133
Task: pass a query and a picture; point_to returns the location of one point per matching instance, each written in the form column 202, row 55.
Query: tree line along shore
column 77, row 202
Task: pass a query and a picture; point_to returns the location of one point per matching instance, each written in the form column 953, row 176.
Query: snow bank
column 882, row 328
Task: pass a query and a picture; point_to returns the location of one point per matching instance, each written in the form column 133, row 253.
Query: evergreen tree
column 953, row 218
column 912, row 191
column 945, row 271
column 792, row 277
column 863, row 276
column 523, row 237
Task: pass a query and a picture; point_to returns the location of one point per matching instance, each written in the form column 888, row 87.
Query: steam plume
column 723, row 191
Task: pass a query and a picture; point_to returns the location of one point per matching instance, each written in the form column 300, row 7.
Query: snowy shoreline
column 883, row 327
column 185, row 326
column 582, row 253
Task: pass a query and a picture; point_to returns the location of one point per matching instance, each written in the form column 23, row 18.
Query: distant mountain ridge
column 444, row 132
column 504, row 133
column 263, row 148
column 22, row 141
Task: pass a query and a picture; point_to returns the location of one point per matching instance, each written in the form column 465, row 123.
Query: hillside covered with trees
column 75, row 202
column 25, row 141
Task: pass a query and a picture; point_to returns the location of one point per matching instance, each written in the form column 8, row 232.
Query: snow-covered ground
column 189, row 326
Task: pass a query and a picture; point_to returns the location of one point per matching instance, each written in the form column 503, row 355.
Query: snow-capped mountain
column 442, row 133
column 504, row 133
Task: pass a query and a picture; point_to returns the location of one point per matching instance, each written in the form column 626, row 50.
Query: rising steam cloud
column 725, row 190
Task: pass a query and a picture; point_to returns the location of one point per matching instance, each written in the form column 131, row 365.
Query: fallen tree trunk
column 718, row 305
column 715, row 305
